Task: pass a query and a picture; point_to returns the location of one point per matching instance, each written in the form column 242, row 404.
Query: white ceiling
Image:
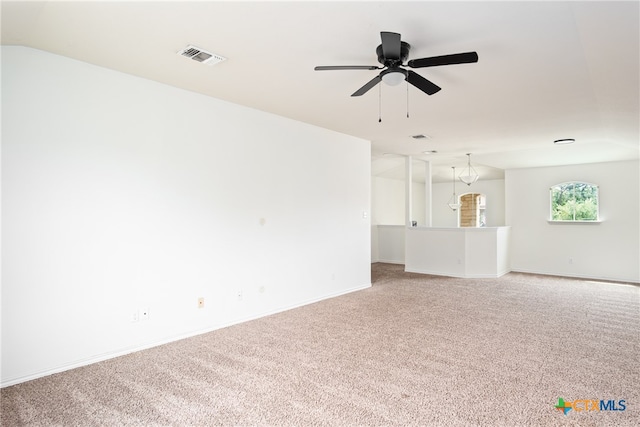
column 546, row 70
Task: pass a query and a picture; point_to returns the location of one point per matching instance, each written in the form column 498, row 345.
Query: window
column 574, row 201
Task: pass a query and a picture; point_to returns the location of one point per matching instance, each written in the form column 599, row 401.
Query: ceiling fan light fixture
column 394, row 78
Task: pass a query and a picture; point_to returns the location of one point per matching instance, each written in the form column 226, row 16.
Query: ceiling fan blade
column 391, row 45
column 456, row 58
column 368, row 86
column 421, row 83
column 346, row 67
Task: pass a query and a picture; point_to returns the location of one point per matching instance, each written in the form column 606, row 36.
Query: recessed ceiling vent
column 201, row 55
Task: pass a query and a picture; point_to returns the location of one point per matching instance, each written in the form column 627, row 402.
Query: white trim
column 459, row 276
column 390, row 261
column 575, row 276
column 597, row 221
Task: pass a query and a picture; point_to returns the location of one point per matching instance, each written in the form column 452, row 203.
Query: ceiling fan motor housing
column 391, row 62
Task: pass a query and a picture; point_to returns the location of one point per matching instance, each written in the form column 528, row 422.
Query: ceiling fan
column 392, row 54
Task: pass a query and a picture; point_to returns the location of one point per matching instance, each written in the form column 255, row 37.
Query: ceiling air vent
column 201, row 55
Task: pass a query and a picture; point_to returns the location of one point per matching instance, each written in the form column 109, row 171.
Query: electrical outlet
column 239, row 294
column 201, row 302
column 144, row 313
column 135, row 316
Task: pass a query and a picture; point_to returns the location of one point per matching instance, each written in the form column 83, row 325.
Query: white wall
column 120, row 193
column 609, row 250
column 472, row 252
column 388, row 201
column 391, row 246
column 388, row 196
column 388, row 219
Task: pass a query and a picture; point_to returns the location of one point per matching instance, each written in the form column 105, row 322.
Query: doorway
column 472, row 210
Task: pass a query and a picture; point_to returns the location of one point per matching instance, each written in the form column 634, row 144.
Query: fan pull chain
column 379, row 103
column 407, row 98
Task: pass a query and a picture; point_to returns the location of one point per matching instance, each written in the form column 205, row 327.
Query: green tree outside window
column 574, row 201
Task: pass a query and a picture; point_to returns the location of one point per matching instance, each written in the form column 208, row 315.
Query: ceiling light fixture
column 453, row 201
column 469, row 174
column 430, row 152
column 394, row 76
column 564, row 141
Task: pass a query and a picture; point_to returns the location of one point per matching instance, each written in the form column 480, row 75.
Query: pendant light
column 469, row 174
column 453, row 201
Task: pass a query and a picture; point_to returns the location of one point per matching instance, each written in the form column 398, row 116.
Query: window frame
column 597, row 220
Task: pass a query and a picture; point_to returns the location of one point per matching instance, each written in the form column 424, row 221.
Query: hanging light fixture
column 469, row 174
column 453, row 201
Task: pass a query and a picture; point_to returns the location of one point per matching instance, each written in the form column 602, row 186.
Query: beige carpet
column 411, row 350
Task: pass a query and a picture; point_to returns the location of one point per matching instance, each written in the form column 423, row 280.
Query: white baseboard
column 391, row 261
column 459, row 276
column 577, row 276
